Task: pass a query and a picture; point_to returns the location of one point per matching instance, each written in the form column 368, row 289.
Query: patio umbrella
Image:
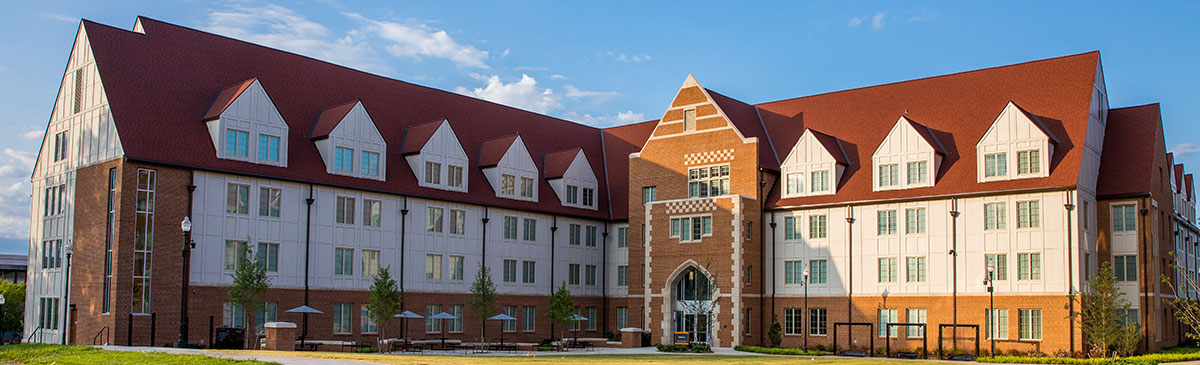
column 305, row 310
column 443, row 316
column 502, row 317
column 577, row 318
column 403, row 323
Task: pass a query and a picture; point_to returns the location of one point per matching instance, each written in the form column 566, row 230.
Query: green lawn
column 58, row 354
column 545, row 357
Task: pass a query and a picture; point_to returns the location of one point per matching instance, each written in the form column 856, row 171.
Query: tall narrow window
column 143, row 240
column 887, row 222
column 995, row 164
column 793, row 272
column 528, row 272
column 366, row 324
column 370, row 263
column 887, row 270
column 510, row 325
column 269, row 200
column 341, row 318
column 456, row 323
column 458, row 222
column 623, row 237
column 433, row 267
column 818, row 226
column 1029, row 214
column 818, row 271
column 916, row 268
column 456, row 267
column 1029, row 324
column 791, row 228
column 268, row 256
column 510, row 271
column 573, row 274
column 370, row 163
column 918, row 172
column 343, row 159
column 1029, row 266
column 432, row 325
column 343, row 261
column 1124, row 218
column 649, row 194
column 795, row 183
column 108, row 239
column 77, row 106
column 433, row 172
column 372, row 213
column 1125, row 267
column 915, row 316
column 622, row 317
column 268, row 314
column 527, row 319
column 345, row 210
column 526, row 187
column 818, row 321
column 510, row 228
column 434, row 223
column 573, row 234
column 1000, row 263
column 914, row 220
column 454, row 176
column 60, row 146
column 529, row 230
column 268, row 147
column 994, row 216
column 236, row 143
column 572, row 194
column 689, row 120
column 793, row 321
column 233, row 254
column 888, row 316
column 589, row 197
column 237, row 199
column 590, row 236
column 589, row 275
column 623, row 275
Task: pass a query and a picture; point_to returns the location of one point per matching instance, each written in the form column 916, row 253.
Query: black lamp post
column 991, row 288
column 806, row 313
column 186, row 227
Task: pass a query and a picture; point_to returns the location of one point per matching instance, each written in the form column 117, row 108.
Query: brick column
column 281, row 336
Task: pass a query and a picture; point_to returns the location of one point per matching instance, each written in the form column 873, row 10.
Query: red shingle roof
column 928, row 136
column 154, row 90
column 1132, row 138
column 831, row 144
column 745, row 118
column 1178, row 178
column 619, row 142
column 225, row 98
column 329, row 118
column 417, row 135
column 556, row 163
column 1188, row 187
column 958, row 108
column 492, row 150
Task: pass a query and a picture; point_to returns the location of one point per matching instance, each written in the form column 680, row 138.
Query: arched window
column 693, row 285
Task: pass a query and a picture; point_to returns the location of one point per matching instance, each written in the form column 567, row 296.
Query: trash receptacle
column 229, row 338
column 645, row 339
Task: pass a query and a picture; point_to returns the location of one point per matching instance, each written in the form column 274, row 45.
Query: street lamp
column 186, row 227
column 67, row 290
column 806, row 313
column 991, row 288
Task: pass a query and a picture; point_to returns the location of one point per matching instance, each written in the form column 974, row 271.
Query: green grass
column 779, row 351
column 58, row 354
column 1175, row 354
column 524, row 357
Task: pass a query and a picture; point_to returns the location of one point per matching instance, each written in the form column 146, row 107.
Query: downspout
column 604, row 278
column 954, row 262
column 1145, row 278
column 553, row 229
column 850, row 274
column 403, row 236
column 483, row 261
column 762, row 253
column 1070, row 206
column 307, row 253
column 772, row 275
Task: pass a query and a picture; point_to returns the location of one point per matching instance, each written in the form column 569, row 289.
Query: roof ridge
column 1097, row 52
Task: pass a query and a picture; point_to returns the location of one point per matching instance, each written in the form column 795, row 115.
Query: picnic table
column 312, row 345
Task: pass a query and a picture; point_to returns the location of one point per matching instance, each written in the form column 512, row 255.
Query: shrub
column 1167, row 355
column 779, row 351
column 692, row 347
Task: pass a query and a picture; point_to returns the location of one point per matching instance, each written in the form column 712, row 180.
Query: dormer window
column 572, row 194
column 370, row 163
column 236, row 142
column 344, row 159
column 433, row 173
column 508, row 184
column 889, row 175
column 526, row 187
column 820, row 181
column 995, row 164
column 795, row 183
column 918, row 172
column 241, row 119
column 454, row 176
column 589, row 197
column 571, row 176
column 1029, row 162
column 708, row 181
column 268, row 147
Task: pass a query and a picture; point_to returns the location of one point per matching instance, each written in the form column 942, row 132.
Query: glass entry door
column 696, row 325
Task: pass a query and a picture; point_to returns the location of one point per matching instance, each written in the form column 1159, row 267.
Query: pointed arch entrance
column 692, row 303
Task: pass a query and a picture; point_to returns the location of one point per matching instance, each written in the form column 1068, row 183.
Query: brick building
column 877, row 205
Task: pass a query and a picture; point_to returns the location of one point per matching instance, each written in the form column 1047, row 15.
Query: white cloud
column 877, row 20
column 628, row 58
column 531, row 68
column 854, row 22
column 557, row 77
column 59, row 17
column 3, row 68
column 417, row 41
column 621, row 118
column 14, row 210
column 522, row 94
column 575, row 93
column 15, row 163
column 34, row 133
column 280, row 27
column 505, row 53
column 1184, row 149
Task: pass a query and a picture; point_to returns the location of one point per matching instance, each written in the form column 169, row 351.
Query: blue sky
column 613, row 62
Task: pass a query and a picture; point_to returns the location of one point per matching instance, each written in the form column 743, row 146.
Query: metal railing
column 34, row 333
column 103, row 331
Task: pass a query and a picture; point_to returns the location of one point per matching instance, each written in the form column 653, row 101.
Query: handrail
column 34, row 333
column 105, row 331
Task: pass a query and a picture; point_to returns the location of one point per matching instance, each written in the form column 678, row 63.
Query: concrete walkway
column 286, row 360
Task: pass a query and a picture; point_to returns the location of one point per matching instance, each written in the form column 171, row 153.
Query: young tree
column 561, row 310
column 1098, row 317
column 12, row 313
column 384, row 301
column 1187, row 308
column 250, row 283
column 775, row 334
column 483, row 297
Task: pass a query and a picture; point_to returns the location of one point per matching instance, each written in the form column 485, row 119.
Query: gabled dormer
column 508, row 167
column 572, row 178
column 350, row 143
column 909, row 157
column 1017, row 146
column 245, row 126
column 814, row 166
column 436, row 156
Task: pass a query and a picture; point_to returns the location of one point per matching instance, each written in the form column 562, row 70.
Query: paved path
column 286, row 360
